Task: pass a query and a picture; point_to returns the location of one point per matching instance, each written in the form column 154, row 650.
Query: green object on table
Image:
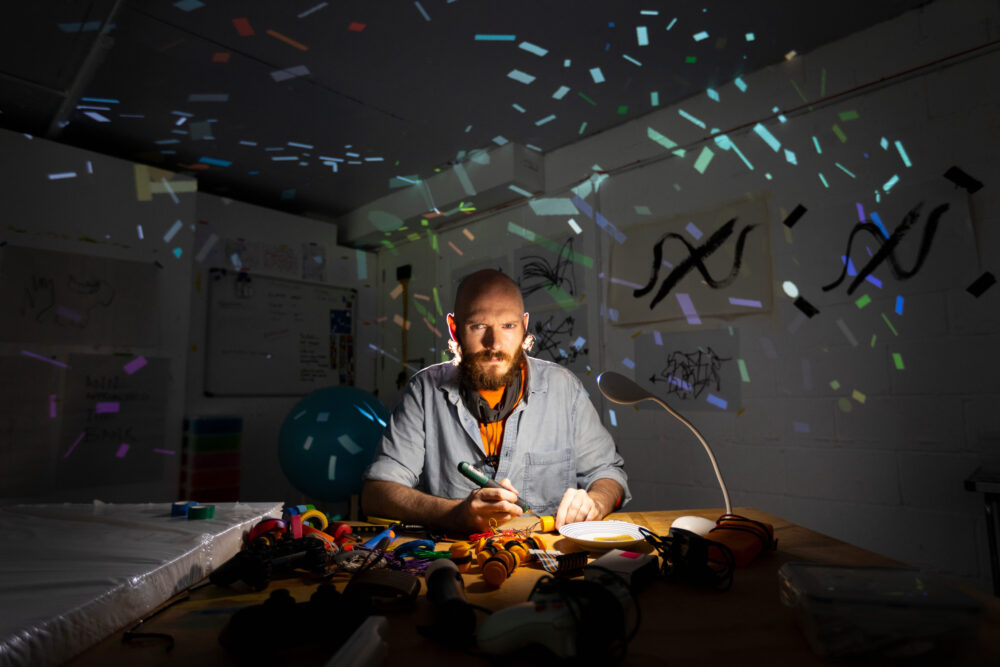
column 482, row 480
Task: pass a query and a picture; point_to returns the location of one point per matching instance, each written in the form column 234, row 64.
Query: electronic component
column 635, row 568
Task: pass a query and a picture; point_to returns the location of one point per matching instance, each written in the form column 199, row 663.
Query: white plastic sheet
column 73, row 574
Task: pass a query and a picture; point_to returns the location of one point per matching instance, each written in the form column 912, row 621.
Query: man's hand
column 577, row 505
column 484, row 504
column 591, row 505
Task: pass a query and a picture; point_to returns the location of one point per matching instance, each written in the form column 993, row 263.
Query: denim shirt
column 552, row 441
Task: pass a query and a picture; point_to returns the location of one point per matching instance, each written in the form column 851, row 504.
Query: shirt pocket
column 547, row 475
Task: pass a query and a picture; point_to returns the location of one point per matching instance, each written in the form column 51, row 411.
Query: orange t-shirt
column 493, row 433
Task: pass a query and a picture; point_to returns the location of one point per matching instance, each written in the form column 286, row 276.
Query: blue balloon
column 329, row 438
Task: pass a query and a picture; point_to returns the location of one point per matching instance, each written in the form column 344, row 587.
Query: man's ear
column 526, row 323
column 452, row 327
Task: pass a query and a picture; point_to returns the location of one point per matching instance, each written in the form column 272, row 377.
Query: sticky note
column 687, row 307
column 347, row 442
column 311, row 10
column 243, row 28
column 766, row 135
column 716, row 401
column 518, row 75
column 75, row 443
column 981, row 284
column 532, row 48
column 847, row 333
column 553, row 206
column 696, row 121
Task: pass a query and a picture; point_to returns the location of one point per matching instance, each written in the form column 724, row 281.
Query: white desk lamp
column 619, row 389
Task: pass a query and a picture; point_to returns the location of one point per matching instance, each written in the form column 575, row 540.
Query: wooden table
column 681, row 625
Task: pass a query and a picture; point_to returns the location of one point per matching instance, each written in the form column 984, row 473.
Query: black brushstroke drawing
column 888, row 247
column 46, row 300
column 539, row 274
column 688, row 374
column 557, row 340
column 695, row 261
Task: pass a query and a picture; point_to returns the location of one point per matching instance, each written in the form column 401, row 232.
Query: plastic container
column 850, row 610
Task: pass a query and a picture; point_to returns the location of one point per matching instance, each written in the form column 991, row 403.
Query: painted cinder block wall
column 882, row 468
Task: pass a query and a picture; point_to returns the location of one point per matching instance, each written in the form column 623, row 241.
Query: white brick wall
column 883, row 470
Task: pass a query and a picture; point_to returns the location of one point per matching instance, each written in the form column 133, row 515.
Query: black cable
column 131, row 633
column 686, row 556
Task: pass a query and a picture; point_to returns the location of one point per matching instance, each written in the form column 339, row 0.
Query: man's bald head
column 485, row 285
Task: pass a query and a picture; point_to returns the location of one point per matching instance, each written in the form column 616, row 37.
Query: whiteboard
column 274, row 336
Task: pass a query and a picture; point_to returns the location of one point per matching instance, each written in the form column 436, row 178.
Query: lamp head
column 619, row 389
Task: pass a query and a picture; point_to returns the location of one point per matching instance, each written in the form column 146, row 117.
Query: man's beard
column 477, row 377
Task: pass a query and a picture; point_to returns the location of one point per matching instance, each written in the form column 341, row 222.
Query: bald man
column 525, row 422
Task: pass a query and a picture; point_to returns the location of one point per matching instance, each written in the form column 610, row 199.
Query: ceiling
column 250, row 97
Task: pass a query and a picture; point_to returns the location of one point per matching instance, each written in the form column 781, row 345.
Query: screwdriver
column 485, row 482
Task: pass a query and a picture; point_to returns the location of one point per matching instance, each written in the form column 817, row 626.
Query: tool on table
column 482, row 480
column 454, row 618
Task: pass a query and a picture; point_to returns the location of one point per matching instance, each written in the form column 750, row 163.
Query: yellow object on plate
column 599, row 535
column 614, row 538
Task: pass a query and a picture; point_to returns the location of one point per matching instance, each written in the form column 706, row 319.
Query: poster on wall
column 241, row 254
column 113, row 423
column 691, row 370
column 279, row 259
column 342, row 342
column 561, row 337
column 68, row 298
column 314, row 262
column 710, row 263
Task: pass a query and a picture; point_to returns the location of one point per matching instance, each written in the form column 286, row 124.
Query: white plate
column 594, row 534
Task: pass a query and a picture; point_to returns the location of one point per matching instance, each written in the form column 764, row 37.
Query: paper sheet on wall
column 67, row 298
column 691, row 370
column 314, row 262
column 549, row 275
column 561, row 337
column 711, row 256
column 112, row 429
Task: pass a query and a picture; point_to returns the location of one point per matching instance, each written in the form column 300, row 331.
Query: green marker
column 485, row 482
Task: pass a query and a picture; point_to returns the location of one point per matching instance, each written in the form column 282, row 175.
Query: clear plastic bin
column 850, row 610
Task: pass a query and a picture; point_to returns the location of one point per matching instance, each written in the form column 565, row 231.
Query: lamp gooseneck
column 619, row 389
